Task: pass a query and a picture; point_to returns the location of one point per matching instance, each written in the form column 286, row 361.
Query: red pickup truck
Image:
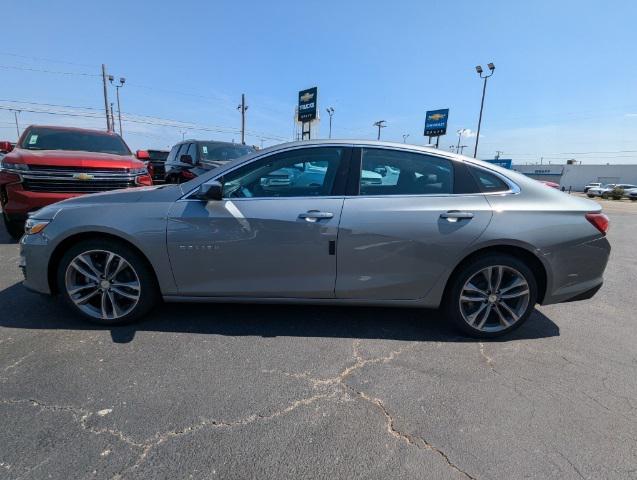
column 49, row 164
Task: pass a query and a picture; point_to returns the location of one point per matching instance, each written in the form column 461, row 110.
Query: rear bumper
column 588, row 294
column 576, row 271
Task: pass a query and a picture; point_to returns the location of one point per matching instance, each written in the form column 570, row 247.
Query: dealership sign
column 501, row 162
column 436, row 122
column 307, row 104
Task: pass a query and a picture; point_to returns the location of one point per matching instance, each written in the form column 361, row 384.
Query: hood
column 157, row 193
column 68, row 158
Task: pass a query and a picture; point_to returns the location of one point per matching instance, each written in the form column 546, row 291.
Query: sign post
column 307, row 110
column 436, row 124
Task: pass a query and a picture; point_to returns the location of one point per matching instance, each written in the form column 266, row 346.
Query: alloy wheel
column 102, row 284
column 494, row 298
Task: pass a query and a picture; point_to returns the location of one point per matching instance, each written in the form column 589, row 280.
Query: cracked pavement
column 240, row 391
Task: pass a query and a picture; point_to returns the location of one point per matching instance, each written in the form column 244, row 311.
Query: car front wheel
column 491, row 296
column 107, row 282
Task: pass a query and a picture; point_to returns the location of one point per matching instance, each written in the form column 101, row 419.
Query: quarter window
column 488, row 182
column 297, row 173
column 393, row 172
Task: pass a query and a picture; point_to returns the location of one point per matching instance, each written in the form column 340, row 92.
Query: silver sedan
column 303, row 223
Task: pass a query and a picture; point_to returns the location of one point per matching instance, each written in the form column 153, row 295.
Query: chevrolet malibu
column 439, row 230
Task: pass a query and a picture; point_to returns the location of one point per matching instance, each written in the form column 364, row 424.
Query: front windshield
column 38, row 138
column 222, row 152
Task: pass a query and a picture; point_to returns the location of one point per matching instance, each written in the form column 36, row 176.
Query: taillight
column 599, row 221
column 144, row 180
column 187, row 174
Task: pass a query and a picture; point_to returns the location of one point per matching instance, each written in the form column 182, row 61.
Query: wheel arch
column 68, row 242
column 524, row 254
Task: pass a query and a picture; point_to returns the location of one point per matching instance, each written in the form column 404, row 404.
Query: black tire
column 590, row 196
column 148, row 292
column 15, row 228
column 451, row 306
column 605, row 196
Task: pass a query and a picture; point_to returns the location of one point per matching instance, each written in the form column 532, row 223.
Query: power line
column 29, row 69
column 43, row 59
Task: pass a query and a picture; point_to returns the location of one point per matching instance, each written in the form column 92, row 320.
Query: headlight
column 33, row 226
column 138, row 171
column 13, row 167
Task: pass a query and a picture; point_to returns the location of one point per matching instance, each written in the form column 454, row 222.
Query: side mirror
column 212, row 190
column 142, row 154
column 6, row 147
column 186, row 159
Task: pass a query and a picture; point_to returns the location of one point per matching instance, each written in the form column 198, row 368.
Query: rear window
column 55, row 139
column 215, row 152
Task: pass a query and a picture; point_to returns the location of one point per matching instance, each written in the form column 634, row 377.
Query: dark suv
column 191, row 158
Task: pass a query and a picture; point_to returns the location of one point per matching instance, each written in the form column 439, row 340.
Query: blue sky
column 565, row 79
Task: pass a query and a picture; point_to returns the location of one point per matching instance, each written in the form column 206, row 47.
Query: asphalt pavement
column 241, row 391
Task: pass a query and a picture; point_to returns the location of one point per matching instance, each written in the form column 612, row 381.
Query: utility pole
column 405, row 135
column 242, row 108
column 108, row 118
column 119, row 110
column 497, row 154
column 330, row 112
column 462, row 147
column 380, row 124
column 491, row 67
column 112, row 129
column 17, row 125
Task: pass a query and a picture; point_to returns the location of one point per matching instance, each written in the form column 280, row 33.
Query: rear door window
column 395, row 172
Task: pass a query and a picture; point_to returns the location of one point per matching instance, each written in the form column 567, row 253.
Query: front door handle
column 314, row 215
column 455, row 215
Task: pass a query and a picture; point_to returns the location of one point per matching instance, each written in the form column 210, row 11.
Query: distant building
column 576, row 176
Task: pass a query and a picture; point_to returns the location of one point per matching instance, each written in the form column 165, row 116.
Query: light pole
column 491, row 67
column 405, row 136
column 380, row 124
column 330, row 112
column 460, row 132
column 122, row 80
column 462, row 147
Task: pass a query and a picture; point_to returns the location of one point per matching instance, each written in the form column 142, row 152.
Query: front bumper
column 19, row 202
column 34, row 262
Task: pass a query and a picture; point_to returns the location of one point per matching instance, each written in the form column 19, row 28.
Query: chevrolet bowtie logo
column 437, row 116
column 306, row 97
column 83, row 176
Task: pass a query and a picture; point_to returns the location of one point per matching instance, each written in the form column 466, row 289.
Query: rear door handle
column 453, row 215
column 314, row 215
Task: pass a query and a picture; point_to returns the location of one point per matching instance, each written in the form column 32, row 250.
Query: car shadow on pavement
column 23, row 309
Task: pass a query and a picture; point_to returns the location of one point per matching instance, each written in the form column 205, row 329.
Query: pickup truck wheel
column 491, row 296
column 107, row 282
column 590, row 196
column 15, row 228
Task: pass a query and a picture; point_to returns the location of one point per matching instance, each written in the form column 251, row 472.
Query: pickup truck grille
column 75, row 180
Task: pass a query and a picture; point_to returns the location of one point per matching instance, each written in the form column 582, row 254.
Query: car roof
column 73, row 129
column 234, row 144
column 383, row 144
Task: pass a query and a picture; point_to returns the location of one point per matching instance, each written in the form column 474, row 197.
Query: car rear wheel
column 107, row 282
column 491, row 296
column 15, row 228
